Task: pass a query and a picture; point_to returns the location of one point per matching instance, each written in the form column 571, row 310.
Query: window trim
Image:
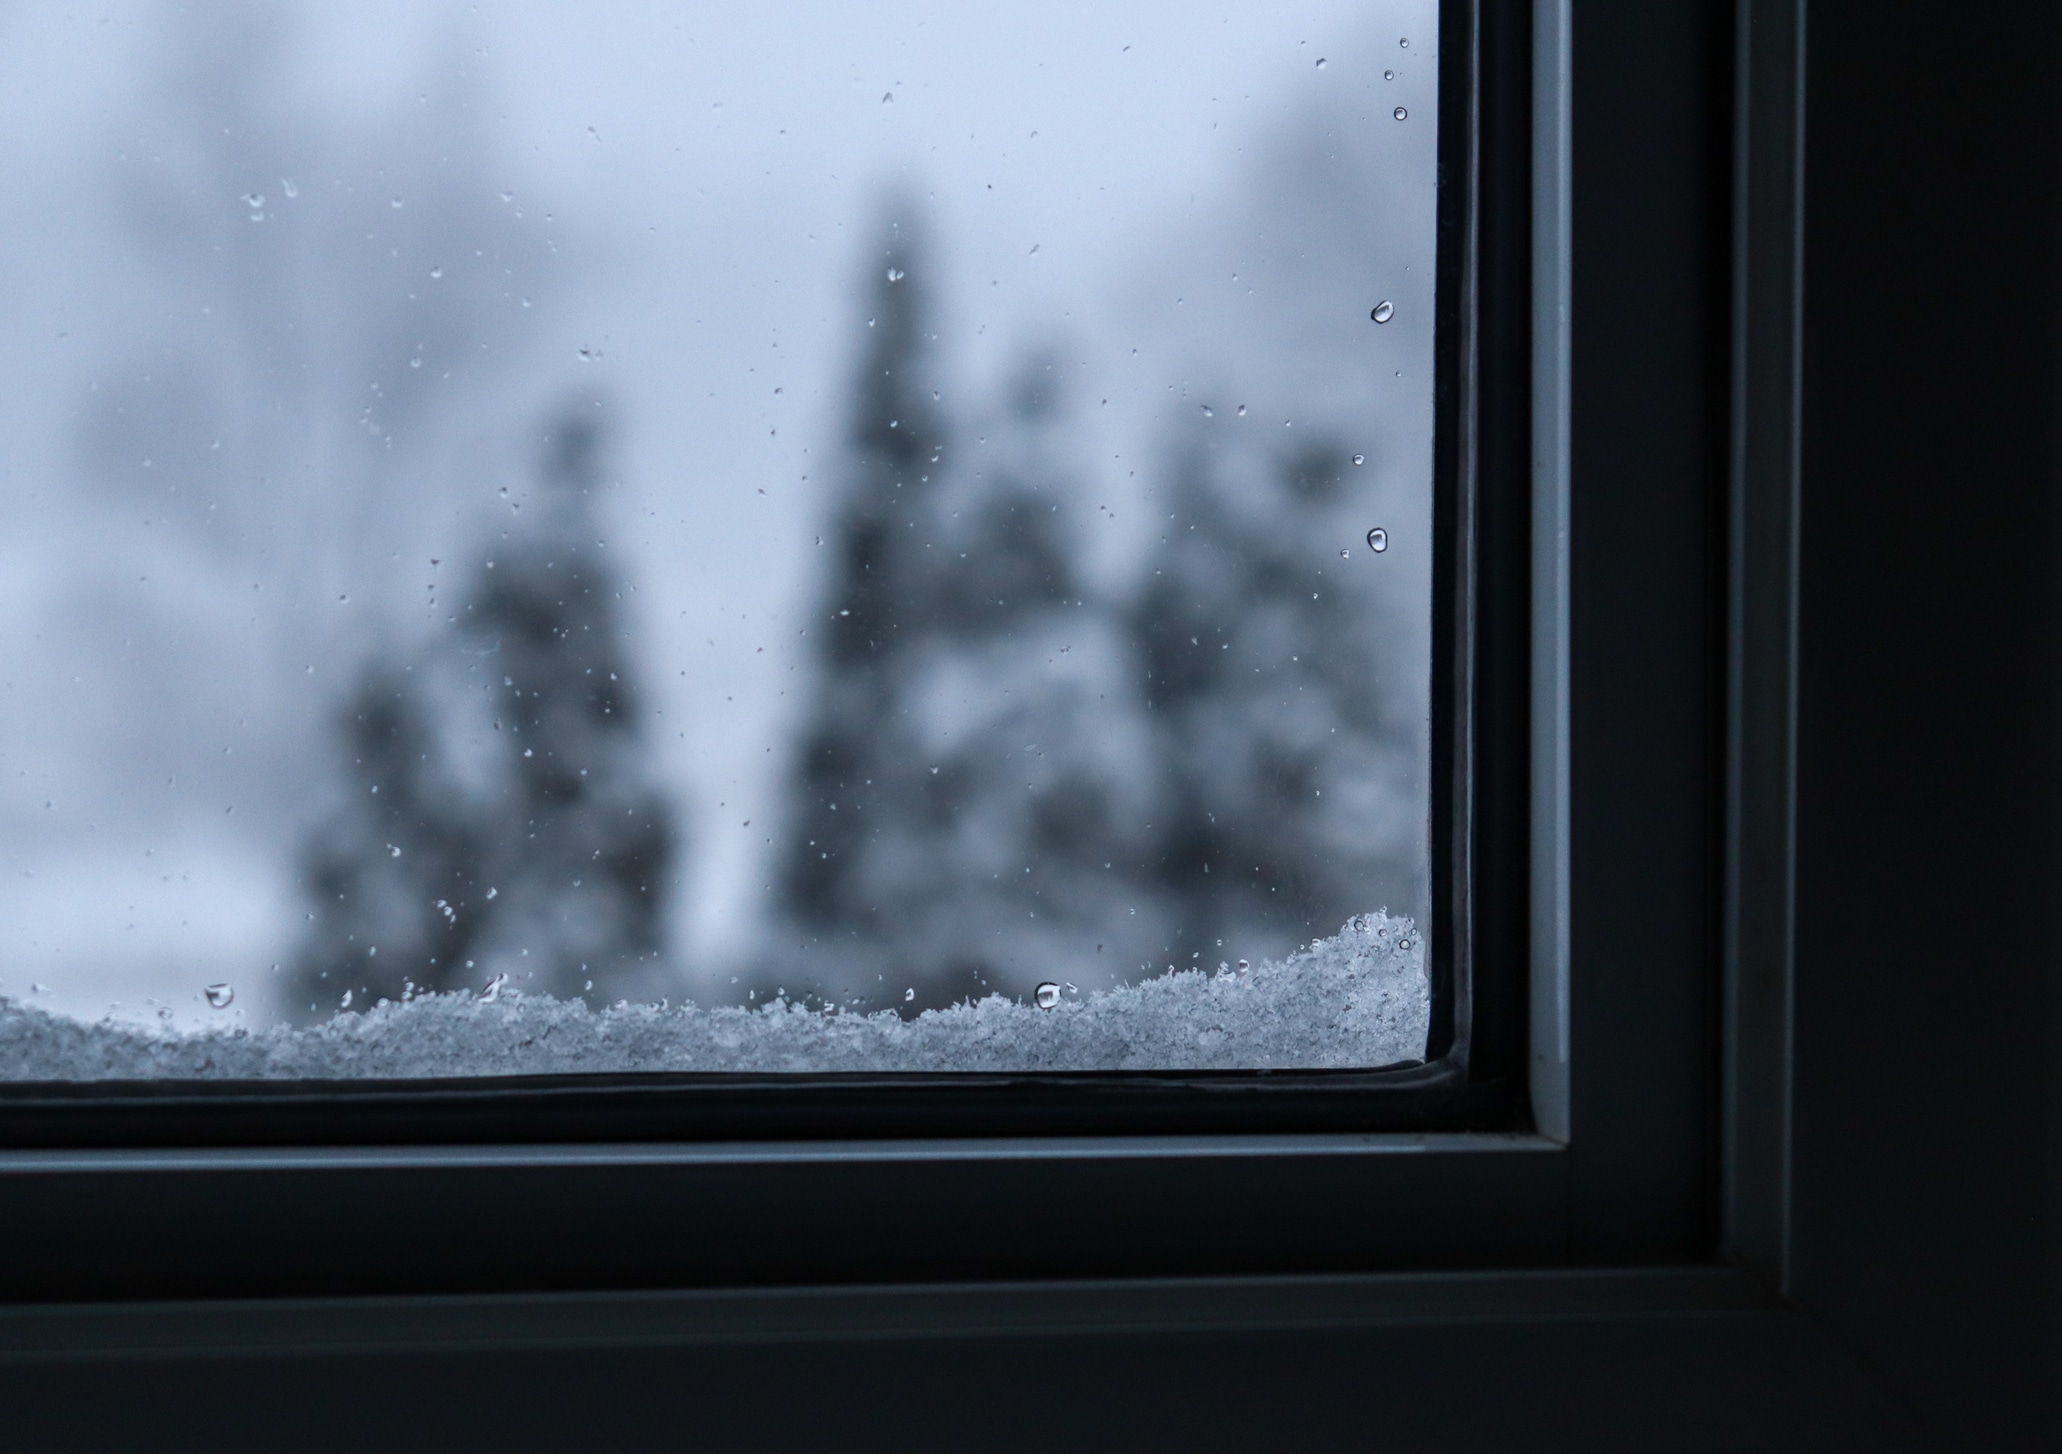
column 1630, row 1173
column 1473, row 1073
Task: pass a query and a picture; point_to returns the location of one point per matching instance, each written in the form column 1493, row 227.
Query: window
column 553, row 544
column 843, row 1171
column 1792, row 681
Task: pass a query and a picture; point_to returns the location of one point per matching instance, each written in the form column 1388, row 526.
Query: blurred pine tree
column 393, row 874
column 876, row 606
column 1294, row 772
column 512, row 831
column 972, row 784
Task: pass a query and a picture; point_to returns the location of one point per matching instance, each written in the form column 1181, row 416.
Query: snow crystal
column 1355, row 1000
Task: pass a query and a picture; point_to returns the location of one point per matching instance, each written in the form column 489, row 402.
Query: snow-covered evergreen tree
column 499, row 820
column 852, row 764
column 1266, row 639
column 579, row 865
column 387, row 875
column 974, row 782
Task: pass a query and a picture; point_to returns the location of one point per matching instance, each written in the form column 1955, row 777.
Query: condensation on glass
column 552, row 537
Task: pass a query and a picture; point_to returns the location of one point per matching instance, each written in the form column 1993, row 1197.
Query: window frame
column 1612, row 880
column 1473, row 1074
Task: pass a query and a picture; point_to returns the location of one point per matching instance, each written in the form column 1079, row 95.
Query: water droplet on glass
column 1383, row 311
column 345, row 1002
column 1404, row 41
column 887, row 97
column 908, row 995
column 1047, row 995
column 219, row 995
column 396, row 204
column 1388, row 75
column 436, row 272
column 1243, row 966
column 1378, row 540
column 493, row 989
column 1360, row 459
column 1400, row 114
column 1320, row 63
column 415, row 363
column 290, row 189
column 1242, row 411
column 1208, row 412
column 896, row 275
column 1345, row 555
column 253, row 200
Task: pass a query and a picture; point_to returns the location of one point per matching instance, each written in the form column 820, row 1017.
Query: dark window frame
column 1472, row 1076
column 1627, row 773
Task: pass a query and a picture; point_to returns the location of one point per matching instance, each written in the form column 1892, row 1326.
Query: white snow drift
column 1359, row 998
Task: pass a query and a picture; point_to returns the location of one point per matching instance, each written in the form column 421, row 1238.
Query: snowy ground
column 1359, row 998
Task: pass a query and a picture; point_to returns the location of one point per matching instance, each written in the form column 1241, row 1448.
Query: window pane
column 536, row 535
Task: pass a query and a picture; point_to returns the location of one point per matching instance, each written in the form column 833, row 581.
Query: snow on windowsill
column 1359, row 998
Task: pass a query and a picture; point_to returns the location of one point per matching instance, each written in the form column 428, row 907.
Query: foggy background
column 1036, row 343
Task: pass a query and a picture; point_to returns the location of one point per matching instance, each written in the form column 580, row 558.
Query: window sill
column 280, row 1222
column 735, row 1316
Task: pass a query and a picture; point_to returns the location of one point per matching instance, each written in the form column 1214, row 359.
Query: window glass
column 572, row 537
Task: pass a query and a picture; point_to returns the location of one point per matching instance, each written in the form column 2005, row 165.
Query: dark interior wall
column 1926, row 1118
